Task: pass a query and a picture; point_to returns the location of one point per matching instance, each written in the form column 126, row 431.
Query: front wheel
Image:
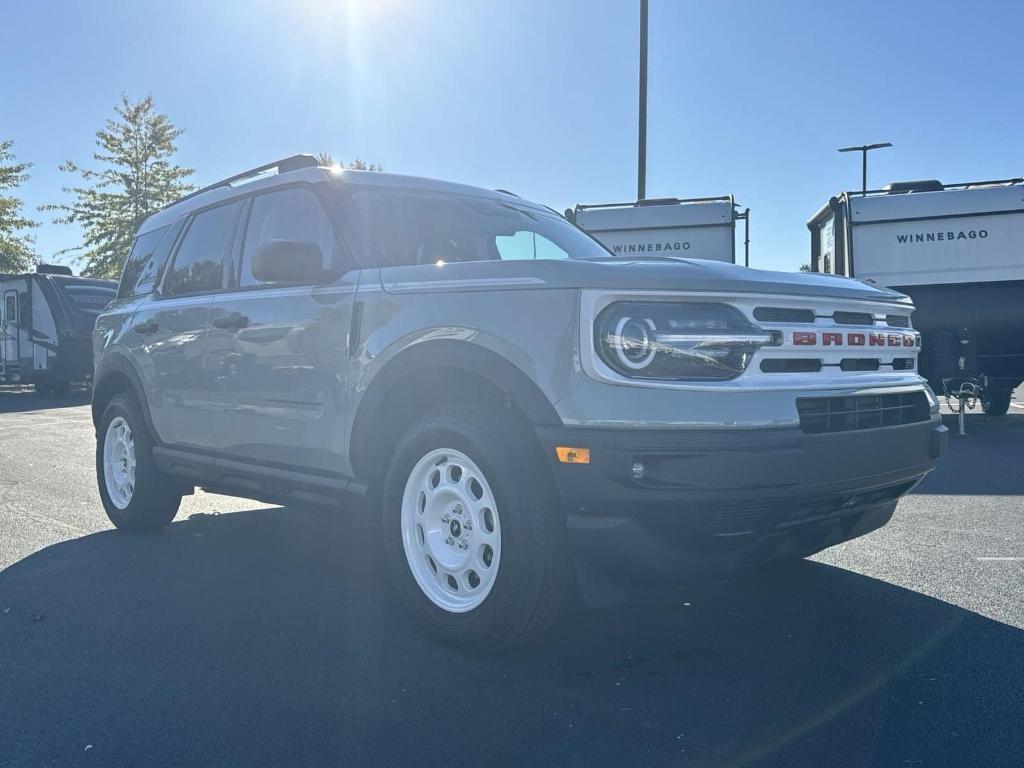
column 473, row 532
column 135, row 495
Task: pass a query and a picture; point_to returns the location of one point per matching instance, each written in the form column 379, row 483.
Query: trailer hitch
column 967, row 393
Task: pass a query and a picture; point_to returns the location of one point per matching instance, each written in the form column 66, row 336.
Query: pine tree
column 17, row 252
column 325, row 159
column 138, row 177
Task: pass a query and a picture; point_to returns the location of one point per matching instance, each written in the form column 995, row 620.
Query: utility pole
column 864, row 149
column 641, row 149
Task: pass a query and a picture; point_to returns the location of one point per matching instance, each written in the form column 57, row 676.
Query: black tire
column 535, row 579
column 59, row 387
column 154, row 500
column 996, row 402
column 42, row 386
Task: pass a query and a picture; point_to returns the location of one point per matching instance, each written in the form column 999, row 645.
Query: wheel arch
column 116, row 374
column 434, row 373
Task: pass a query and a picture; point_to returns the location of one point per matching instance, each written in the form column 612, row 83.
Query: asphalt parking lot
column 251, row 635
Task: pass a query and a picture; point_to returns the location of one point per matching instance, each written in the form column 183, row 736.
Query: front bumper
column 713, row 500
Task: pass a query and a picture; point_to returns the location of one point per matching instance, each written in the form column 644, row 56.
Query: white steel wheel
column 119, row 462
column 450, row 530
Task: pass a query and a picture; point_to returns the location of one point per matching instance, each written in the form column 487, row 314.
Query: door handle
column 147, row 327
column 232, row 321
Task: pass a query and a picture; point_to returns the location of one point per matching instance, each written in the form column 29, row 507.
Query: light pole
column 864, row 149
column 641, row 148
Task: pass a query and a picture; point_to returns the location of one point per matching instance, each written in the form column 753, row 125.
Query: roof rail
column 505, row 191
column 292, row 163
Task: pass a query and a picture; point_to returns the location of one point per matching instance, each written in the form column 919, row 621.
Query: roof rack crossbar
column 291, row 163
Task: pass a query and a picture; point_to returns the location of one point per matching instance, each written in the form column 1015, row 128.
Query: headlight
column 677, row 340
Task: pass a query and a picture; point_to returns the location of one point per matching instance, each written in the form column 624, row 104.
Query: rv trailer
column 698, row 228
column 46, row 322
column 958, row 251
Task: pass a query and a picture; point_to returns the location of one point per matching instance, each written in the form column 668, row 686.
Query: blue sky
column 749, row 98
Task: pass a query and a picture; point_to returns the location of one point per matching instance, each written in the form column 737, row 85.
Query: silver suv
column 524, row 413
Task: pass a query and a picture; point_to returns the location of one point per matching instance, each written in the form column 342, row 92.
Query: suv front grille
column 859, row 364
column 834, row 339
column 838, row 317
column 790, row 365
column 846, row 414
column 783, row 315
column 853, row 318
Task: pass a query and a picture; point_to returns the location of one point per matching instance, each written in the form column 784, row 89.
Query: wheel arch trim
column 441, row 354
column 113, row 365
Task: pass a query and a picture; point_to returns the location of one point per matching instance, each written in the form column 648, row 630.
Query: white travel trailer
column 46, row 322
column 698, row 228
column 958, row 251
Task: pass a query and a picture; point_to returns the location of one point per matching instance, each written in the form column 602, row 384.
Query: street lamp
column 864, row 149
column 641, row 144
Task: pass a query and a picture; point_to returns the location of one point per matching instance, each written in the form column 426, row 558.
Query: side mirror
column 288, row 261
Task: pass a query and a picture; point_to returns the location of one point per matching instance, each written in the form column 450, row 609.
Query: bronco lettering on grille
column 832, row 339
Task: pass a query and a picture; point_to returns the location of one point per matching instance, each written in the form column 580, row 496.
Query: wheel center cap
column 455, row 527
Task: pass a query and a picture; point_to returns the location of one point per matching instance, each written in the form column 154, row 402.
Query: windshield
column 404, row 227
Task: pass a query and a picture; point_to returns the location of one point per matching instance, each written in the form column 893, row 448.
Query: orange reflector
column 568, row 455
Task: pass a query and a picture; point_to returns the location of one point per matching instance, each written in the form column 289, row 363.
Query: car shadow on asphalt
column 18, row 399
column 271, row 637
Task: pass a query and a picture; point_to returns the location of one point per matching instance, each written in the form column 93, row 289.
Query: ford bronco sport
column 523, row 411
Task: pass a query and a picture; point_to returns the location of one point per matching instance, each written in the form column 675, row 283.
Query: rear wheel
column 42, row 385
column 135, row 495
column 59, row 387
column 996, row 402
column 473, row 532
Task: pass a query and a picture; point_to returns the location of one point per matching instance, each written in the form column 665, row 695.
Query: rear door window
column 198, row 265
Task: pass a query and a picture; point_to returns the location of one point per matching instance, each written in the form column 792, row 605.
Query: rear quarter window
column 142, row 252
column 146, row 262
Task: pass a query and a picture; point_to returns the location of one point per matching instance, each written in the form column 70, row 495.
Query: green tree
column 137, row 177
column 325, row 159
column 17, row 251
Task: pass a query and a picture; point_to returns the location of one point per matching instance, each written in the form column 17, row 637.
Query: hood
column 650, row 274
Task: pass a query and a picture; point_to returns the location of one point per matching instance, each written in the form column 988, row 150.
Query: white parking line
column 25, row 424
column 999, row 559
column 53, row 521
